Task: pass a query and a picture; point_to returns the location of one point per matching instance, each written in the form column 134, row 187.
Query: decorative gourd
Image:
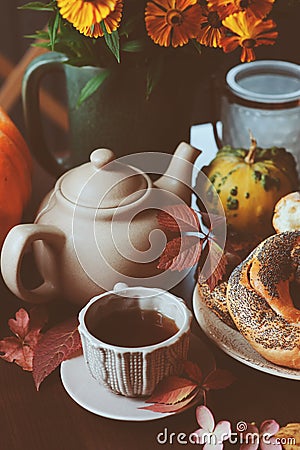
column 249, row 184
column 15, row 175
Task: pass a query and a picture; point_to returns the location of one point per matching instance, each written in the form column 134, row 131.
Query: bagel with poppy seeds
column 215, row 300
column 259, row 301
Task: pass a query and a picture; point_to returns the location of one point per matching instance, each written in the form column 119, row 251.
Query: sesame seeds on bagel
column 259, row 301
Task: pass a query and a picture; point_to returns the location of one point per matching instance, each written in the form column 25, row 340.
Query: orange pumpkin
column 15, row 175
column 10, row 129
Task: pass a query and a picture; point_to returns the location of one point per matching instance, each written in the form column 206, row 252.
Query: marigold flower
column 83, row 13
column 260, row 8
column 249, row 32
column 211, row 29
column 172, row 22
column 111, row 23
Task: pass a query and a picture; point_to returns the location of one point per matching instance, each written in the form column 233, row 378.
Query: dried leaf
column 56, row 345
column 20, row 325
column 213, row 221
column 174, row 393
column 179, row 218
column 171, row 390
column 38, row 317
column 26, row 327
column 15, row 351
column 218, row 379
column 181, row 253
column 168, row 408
column 193, row 371
column 217, row 260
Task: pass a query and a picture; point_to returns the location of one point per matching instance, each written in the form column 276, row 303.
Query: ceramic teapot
column 97, row 227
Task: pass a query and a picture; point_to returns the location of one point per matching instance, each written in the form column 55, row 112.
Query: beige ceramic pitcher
column 96, row 228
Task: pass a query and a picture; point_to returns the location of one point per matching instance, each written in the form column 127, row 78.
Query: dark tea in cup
column 134, row 328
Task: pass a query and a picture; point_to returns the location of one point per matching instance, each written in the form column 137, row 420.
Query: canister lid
column 267, row 81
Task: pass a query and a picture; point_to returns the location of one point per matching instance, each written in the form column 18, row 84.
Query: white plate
column 233, row 343
column 96, row 398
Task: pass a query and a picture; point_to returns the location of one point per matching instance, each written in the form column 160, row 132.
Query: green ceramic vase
column 117, row 116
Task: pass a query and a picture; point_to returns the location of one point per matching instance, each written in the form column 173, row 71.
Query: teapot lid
column 103, row 182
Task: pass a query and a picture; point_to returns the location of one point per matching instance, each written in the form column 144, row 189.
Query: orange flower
column 211, row 28
column 85, row 12
column 249, row 32
column 260, row 8
column 111, row 23
column 172, row 22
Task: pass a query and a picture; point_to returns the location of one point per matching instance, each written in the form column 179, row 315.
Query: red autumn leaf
column 179, row 218
column 181, row 253
column 38, row 317
column 168, row 408
column 174, row 393
column 15, row 351
column 26, row 327
column 193, row 371
column 171, row 390
column 56, row 345
column 20, row 325
column 213, row 221
column 218, row 379
column 215, row 265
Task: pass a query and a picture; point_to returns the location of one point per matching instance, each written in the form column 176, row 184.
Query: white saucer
column 233, row 343
column 96, row 398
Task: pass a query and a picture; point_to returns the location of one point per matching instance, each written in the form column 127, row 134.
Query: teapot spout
column 178, row 177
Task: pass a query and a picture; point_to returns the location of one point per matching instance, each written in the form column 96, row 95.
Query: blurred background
column 16, row 51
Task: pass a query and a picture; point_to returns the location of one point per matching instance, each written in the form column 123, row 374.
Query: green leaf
column 53, row 28
column 197, row 46
column 38, row 35
column 91, row 86
column 133, row 46
column 128, row 26
column 38, row 6
column 153, row 75
column 42, row 45
column 112, row 40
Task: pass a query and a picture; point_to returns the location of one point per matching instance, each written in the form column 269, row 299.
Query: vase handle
column 35, row 71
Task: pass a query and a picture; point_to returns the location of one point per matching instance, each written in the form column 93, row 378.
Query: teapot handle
column 16, row 244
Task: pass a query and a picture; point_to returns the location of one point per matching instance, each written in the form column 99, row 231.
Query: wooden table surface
column 51, row 420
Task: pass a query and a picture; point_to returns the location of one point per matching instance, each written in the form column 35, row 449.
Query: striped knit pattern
column 134, row 374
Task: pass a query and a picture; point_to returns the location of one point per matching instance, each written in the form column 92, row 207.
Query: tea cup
column 133, row 371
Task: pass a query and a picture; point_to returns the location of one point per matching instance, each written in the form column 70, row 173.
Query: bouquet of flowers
column 107, row 32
